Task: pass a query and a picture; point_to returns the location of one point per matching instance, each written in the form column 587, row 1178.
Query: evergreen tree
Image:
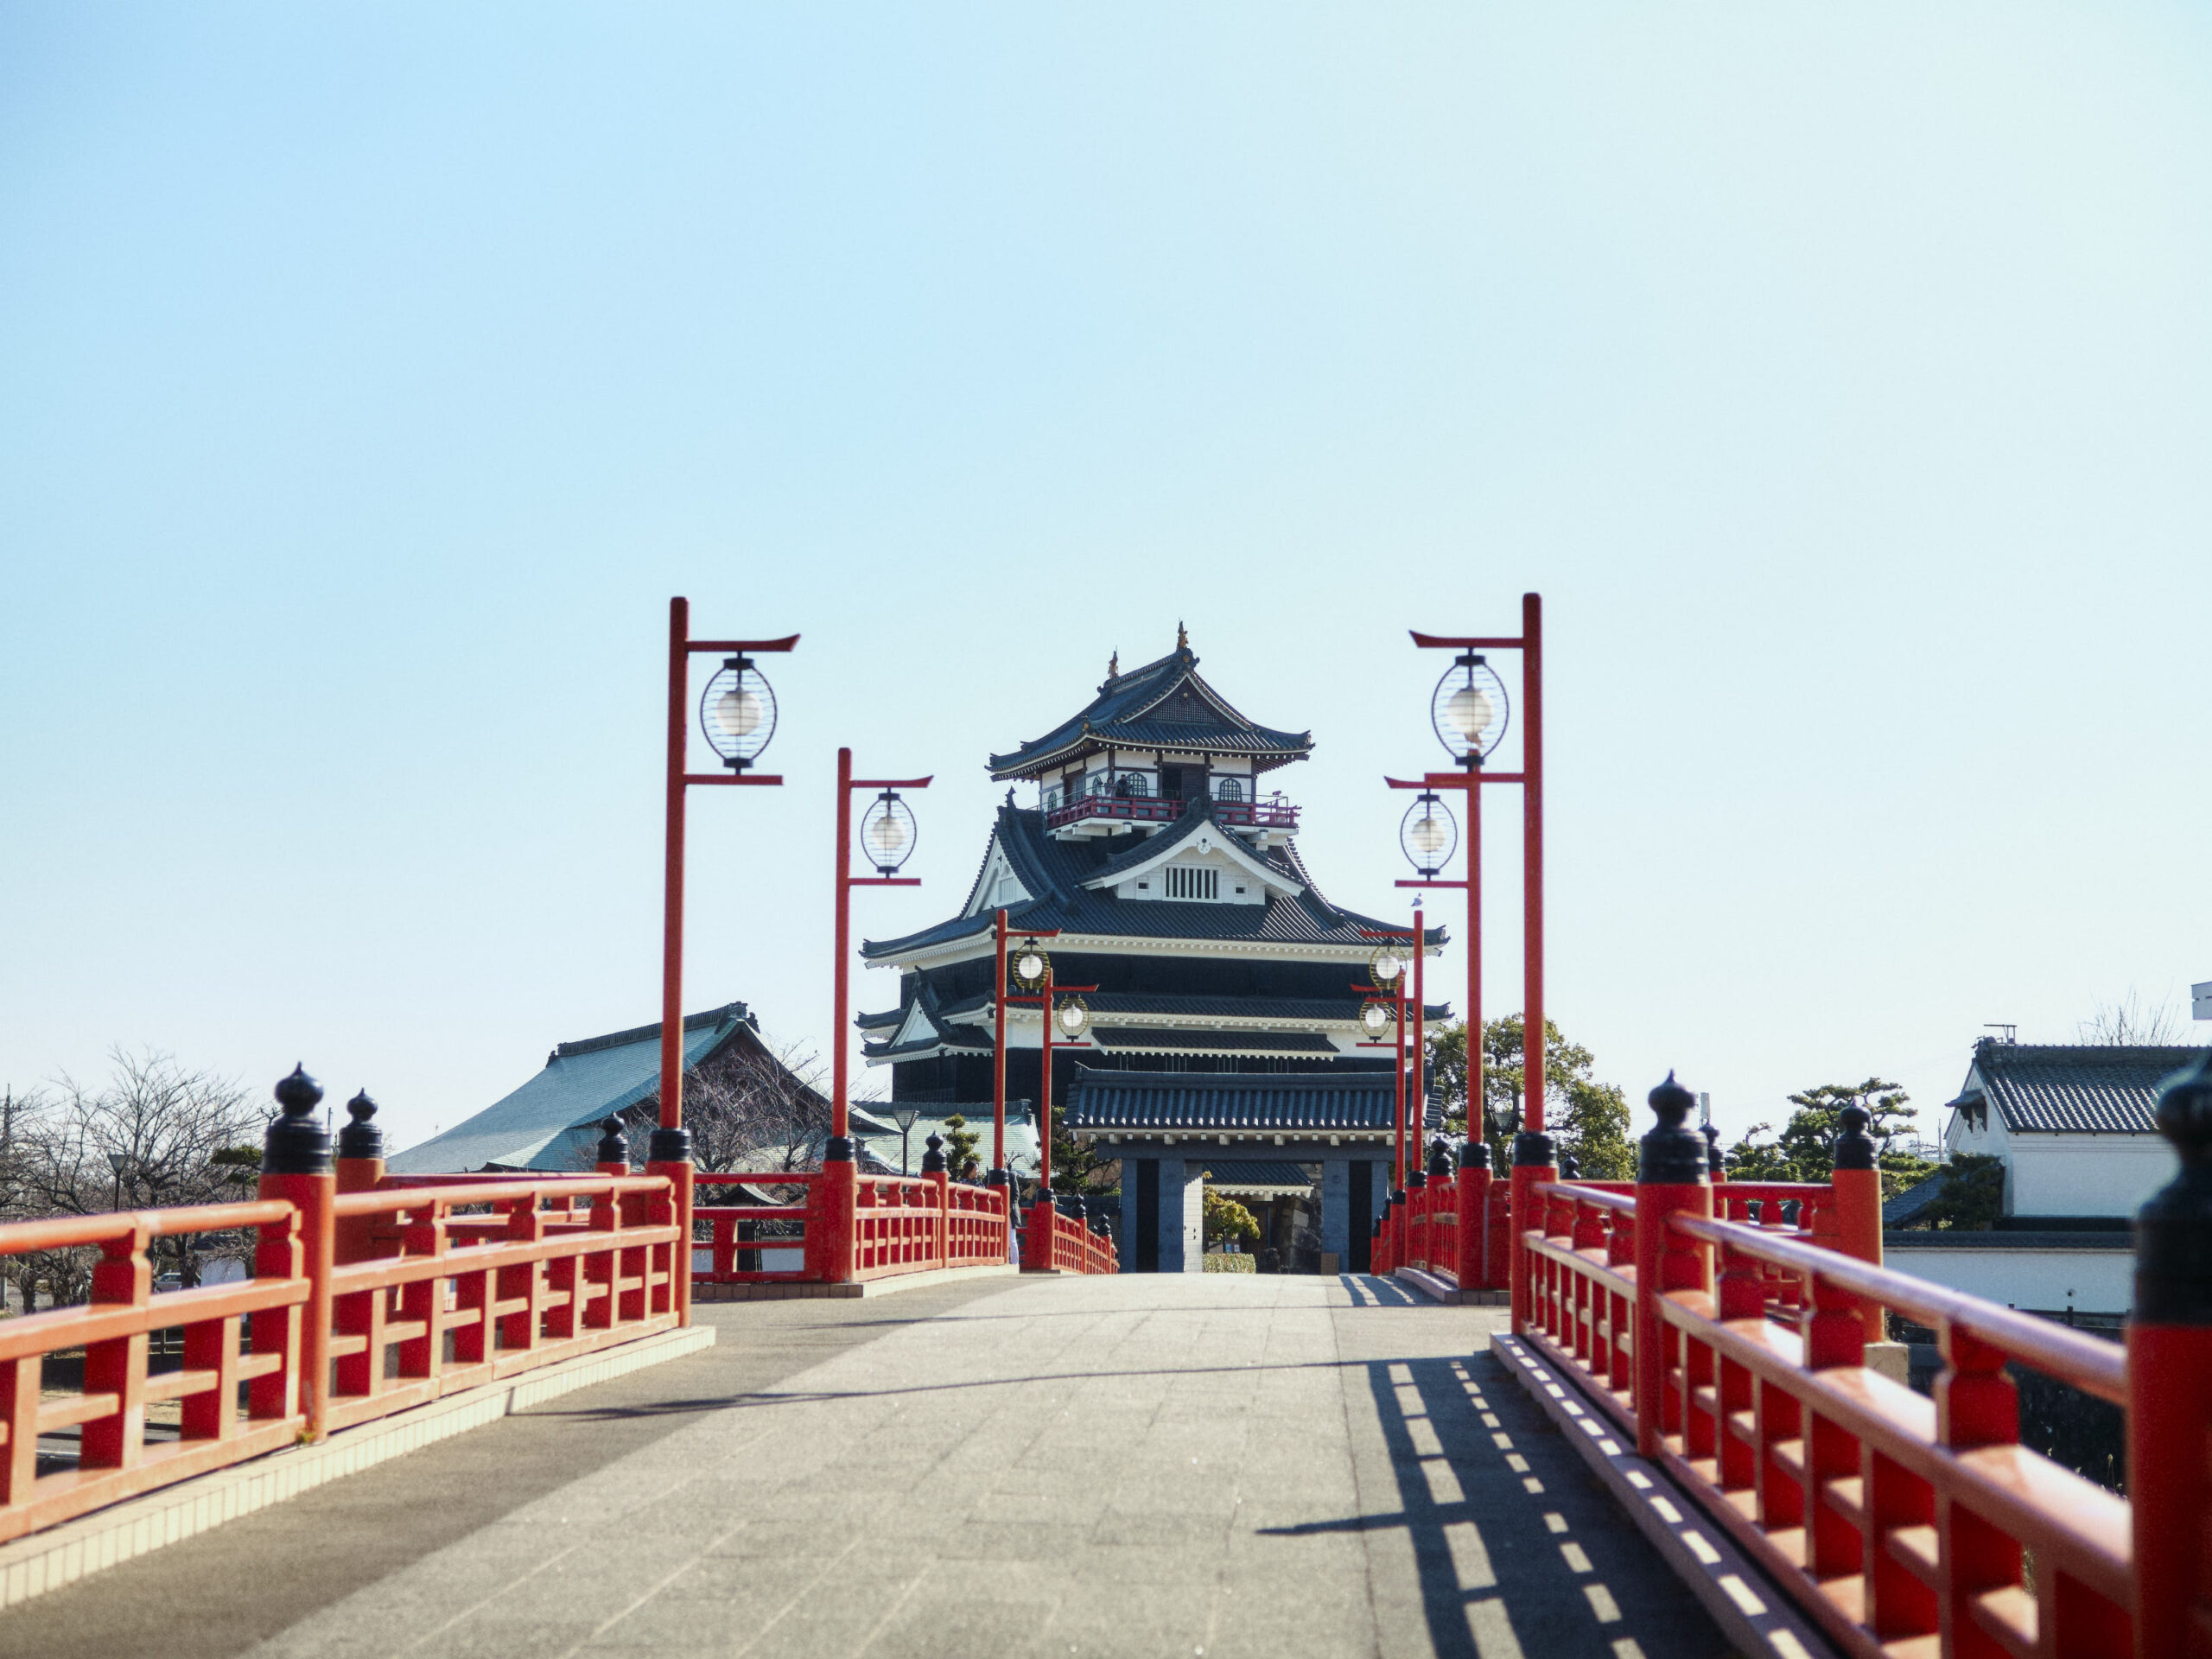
column 960, row 1142
column 1805, row 1150
column 1585, row 1118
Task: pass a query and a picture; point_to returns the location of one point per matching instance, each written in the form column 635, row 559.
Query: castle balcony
column 1112, row 810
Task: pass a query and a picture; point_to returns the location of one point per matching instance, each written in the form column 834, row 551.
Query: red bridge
column 1683, row 1434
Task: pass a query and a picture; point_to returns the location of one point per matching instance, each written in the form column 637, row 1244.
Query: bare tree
column 154, row 1135
column 750, row 1108
column 2128, row 1024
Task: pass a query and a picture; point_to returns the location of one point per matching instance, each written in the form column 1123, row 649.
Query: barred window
column 1189, row 881
column 1227, row 789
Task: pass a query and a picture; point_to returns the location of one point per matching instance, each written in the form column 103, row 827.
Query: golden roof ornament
column 1182, row 639
column 1114, row 666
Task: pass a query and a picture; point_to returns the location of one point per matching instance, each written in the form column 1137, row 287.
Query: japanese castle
column 1224, row 1039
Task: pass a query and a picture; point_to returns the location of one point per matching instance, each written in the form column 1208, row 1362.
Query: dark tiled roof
column 1170, row 1002
column 1201, row 721
column 2074, row 1088
column 1197, row 816
column 1240, row 1171
column 1054, row 871
column 2019, row 1239
column 944, row 1032
column 1209, row 1101
column 1908, row 1204
column 1285, row 1042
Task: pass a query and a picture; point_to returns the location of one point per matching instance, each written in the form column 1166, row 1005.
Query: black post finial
column 1854, row 1148
column 2173, row 1230
column 1440, row 1160
column 294, row 1143
column 361, row 1138
column 933, row 1153
column 1672, row 1153
column 613, row 1144
column 1712, row 1161
column 1570, row 1166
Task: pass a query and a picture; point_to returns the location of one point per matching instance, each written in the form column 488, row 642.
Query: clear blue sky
column 371, row 376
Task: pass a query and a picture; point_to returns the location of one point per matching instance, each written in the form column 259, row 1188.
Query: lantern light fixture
column 1469, row 709
column 888, row 834
column 1428, row 833
column 737, row 712
column 1386, row 967
column 1029, row 966
column 1376, row 1019
column 1070, row 1020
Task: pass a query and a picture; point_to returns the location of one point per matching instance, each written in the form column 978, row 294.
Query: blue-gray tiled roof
column 551, row 1122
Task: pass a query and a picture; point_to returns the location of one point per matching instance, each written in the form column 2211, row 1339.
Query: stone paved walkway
column 1154, row 1465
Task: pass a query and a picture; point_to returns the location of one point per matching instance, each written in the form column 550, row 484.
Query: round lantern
column 888, row 833
column 1469, row 709
column 737, row 712
column 1428, row 834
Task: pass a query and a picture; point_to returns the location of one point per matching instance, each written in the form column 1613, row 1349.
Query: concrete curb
column 1755, row 1616
column 867, row 1288
column 45, row 1561
column 1443, row 1291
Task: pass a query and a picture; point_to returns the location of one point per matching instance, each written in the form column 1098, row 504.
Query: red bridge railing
column 1734, row 1351
column 372, row 1292
column 1055, row 1242
column 115, row 1458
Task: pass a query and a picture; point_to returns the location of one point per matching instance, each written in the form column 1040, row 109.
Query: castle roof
column 1163, row 705
column 1054, row 874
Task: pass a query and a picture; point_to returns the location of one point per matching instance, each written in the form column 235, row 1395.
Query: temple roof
column 1053, row 872
column 1163, row 705
column 552, row 1120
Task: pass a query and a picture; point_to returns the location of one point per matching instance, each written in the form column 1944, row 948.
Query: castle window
column 1132, row 783
column 1227, row 789
column 1191, row 881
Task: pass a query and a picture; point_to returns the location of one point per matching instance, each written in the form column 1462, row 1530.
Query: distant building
column 552, row 1122
column 2072, row 1122
column 1225, row 1027
column 2072, row 1125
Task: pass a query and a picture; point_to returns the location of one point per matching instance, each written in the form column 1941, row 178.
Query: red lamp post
column 738, row 712
column 1389, row 973
column 1470, row 713
column 887, row 837
column 997, row 1175
column 1033, row 971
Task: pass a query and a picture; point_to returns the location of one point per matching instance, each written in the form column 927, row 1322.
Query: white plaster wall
column 2092, row 1282
column 2085, row 1175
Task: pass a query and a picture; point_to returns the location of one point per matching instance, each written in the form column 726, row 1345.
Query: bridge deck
column 1148, row 1464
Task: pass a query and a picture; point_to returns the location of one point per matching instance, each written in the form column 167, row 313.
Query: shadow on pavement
column 1518, row 1550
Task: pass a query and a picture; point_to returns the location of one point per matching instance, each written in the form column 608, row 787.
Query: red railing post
column 122, row 1278
column 1857, row 1183
column 934, row 1171
column 296, row 1166
column 2169, row 1386
column 830, row 1221
column 1473, row 1266
column 1532, row 1165
column 1670, row 1179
